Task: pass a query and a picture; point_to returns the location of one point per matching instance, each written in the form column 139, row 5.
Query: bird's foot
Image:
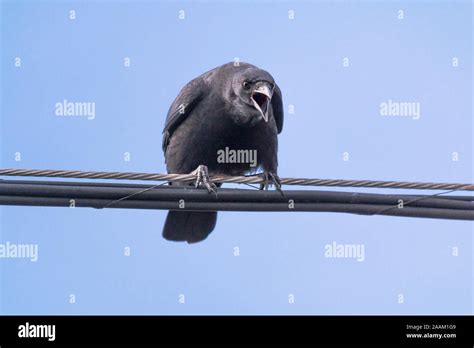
column 202, row 177
column 270, row 178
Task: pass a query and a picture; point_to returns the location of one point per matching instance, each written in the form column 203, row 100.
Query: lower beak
column 261, row 98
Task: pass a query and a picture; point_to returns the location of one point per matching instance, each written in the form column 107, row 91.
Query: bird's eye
column 246, row 85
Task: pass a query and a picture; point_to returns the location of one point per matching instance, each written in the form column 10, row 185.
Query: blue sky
column 336, row 111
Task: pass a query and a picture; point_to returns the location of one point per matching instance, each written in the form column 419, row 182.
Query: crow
column 214, row 126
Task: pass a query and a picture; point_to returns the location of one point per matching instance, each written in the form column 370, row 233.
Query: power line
column 255, row 179
column 135, row 196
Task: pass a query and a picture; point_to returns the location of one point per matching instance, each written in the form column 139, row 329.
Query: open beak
column 261, row 97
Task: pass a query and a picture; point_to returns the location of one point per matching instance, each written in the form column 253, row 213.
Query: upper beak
column 261, row 97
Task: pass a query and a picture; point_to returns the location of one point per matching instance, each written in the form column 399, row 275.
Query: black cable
column 362, row 209
column 100, row 195
column 169, row 193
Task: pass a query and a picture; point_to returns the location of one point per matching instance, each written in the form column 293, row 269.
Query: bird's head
column 256, row 91
column 250, row 94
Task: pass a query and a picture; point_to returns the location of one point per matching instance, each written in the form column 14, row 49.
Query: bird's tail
column 189, row 226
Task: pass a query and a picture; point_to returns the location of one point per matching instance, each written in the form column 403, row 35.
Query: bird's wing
column 277, row 106
column 186, row 100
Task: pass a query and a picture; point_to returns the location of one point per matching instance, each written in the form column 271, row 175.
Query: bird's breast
column 223, row 146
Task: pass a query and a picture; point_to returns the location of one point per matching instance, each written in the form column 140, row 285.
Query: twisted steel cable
column 255, row 179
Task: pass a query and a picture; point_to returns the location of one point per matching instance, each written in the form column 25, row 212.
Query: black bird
column 230, row 108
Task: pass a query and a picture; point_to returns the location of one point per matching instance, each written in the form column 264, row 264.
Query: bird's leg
column 202, row 177
column 269, row 179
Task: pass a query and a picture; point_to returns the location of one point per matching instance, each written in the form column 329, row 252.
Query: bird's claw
column 202, row 177
column 270, row 179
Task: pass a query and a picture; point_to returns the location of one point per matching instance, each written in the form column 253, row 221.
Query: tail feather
column 189, row 226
